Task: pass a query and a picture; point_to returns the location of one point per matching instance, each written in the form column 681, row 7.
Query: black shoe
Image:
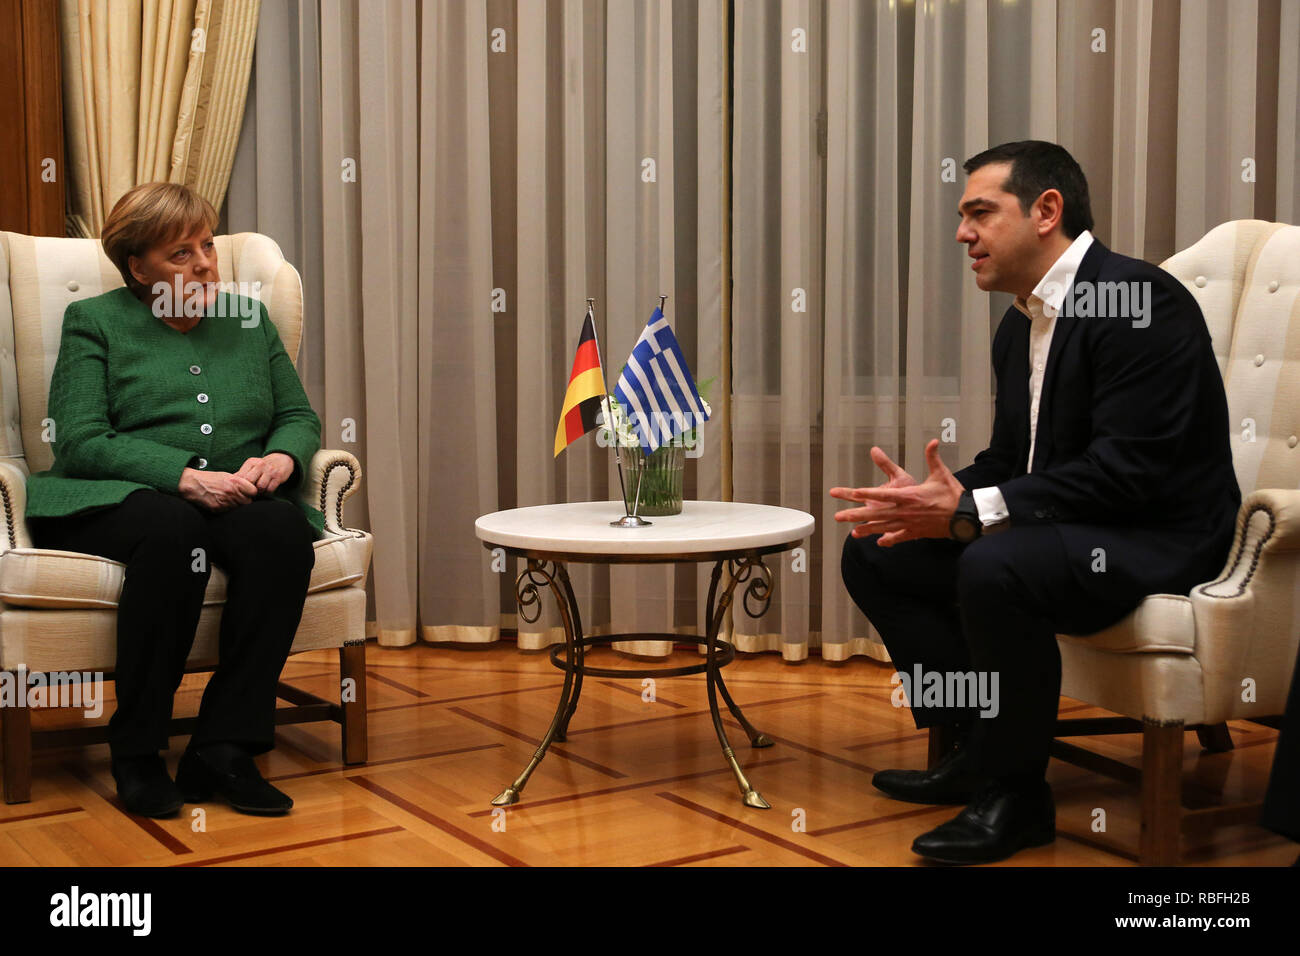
column 226, row 770
column 999, row 823
column 144, row 787
column 951, row 782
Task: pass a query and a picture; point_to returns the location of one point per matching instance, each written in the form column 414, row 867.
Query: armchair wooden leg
column 17, row 724
column 943, row 738
column 1162, row 806
column 1215, row 738
column 352, row 665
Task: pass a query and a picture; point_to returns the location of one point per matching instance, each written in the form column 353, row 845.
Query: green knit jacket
column 133, row 402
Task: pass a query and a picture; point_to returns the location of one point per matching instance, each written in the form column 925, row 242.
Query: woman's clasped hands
column 222, row 490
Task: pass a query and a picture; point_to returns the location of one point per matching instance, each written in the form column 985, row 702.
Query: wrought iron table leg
column 762, row 586
column 757, row 738
column 526, row 594
column 536, row 575
column 563, row 733
column 713, row 680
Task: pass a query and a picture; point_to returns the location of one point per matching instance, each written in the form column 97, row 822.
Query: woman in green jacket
column 181, row 434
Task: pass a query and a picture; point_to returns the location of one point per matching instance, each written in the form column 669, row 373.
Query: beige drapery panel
column 153, row 90
column 840, row 192
column 453, row 179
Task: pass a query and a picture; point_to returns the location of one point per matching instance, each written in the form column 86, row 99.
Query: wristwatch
column 965, row 525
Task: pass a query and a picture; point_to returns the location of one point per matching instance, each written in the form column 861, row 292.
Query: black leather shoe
column 144, row 786
column 226, row 770
column 999, row 823
column 951, row 782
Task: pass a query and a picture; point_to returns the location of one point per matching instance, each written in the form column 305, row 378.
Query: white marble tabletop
column 703, row 527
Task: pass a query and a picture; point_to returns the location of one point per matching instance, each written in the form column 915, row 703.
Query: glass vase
column 660, row 474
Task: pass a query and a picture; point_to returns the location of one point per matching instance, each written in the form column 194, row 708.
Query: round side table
column 732, row 535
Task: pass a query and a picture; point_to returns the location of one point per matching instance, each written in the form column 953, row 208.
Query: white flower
column 615, row 420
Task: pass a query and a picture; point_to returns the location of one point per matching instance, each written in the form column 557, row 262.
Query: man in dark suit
column 1108, row 477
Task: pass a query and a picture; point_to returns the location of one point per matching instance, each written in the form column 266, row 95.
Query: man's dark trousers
column 993, row 606
column 1281, row 812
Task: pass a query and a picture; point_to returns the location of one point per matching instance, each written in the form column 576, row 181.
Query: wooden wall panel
column 13, row 120
column 31, row 118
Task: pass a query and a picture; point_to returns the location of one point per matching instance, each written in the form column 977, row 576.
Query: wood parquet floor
column 638, row 783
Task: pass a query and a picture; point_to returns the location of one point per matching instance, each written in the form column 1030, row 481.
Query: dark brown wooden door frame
column 32, row 170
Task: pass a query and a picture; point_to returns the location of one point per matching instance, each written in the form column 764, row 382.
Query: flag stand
column 629, row 520
column 632, row 520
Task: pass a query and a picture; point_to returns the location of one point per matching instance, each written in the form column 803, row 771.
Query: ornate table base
column 758, row 591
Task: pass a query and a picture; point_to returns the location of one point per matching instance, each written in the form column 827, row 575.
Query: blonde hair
column 148, row 215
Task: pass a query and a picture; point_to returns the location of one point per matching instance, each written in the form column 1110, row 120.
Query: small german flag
column 586, row 392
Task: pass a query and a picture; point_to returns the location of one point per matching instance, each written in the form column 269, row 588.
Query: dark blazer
column 1131, row 451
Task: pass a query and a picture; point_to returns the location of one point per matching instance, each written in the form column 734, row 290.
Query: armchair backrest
column 40, row 275
column 1246, row 277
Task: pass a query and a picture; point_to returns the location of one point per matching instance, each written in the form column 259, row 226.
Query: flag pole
column 628, row 520
column 641, row 474
column 604, row 400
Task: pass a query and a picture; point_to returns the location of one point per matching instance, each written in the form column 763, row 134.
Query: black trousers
column 993, row 607
column 169, row 546
column 1281, row 812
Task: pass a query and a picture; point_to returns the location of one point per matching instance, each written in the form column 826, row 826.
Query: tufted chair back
column 40, row 275
column 1246, row 277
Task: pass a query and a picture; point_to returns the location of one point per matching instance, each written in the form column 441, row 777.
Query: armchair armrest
column 332, row 477
column 1246, row 626
column 1267, row 524
column 13, row 507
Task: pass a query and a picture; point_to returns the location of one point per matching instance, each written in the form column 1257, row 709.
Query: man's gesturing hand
column 900, row 509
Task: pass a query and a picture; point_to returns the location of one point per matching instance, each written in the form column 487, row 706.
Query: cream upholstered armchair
column 58, row 609
column 1227, row 650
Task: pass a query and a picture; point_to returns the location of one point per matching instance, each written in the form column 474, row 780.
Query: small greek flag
column 656, row 387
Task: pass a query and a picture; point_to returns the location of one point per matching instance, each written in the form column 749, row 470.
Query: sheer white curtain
column 853, row 322
column 618, row 197
column 856, row 321
column 866, row 276
column 347, row 164
column 457, row 178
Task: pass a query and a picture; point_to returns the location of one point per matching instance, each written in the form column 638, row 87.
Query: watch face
column 964, row 529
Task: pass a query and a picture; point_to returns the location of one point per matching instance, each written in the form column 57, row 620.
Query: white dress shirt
column 1041, row 309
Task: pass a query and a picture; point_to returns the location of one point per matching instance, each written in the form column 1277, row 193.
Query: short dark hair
column 149, row 214
column 1037, row 166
